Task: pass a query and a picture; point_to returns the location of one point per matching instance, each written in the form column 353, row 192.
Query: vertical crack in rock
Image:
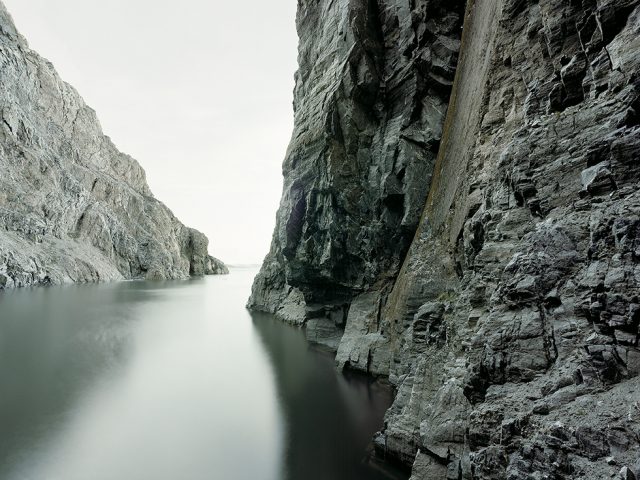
column 72, row 207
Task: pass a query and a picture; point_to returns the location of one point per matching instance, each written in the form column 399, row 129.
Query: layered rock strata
column 512, row 328
column 72, row 207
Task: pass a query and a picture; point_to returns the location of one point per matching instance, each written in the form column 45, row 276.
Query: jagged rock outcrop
column 72, row 207
column 512, row 329
column 529, row 247
column 370, row 99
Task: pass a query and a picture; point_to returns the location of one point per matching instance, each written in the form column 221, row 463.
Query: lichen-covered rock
column 512, row 329
column 72, row 207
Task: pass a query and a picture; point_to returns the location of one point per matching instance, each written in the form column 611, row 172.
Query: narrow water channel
column 174, row 380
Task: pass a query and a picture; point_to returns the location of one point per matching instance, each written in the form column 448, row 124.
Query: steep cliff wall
column 370, row 100
column 512, row 327
column 514, row 322
column 72, row 207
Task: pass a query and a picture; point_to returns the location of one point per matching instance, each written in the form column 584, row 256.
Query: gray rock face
column 529, row 242
column 72, row 207
column 512, row 328
column 370, row 99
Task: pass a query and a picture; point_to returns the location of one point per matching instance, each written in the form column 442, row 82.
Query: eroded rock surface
column 72, row 207
column 512, row 329
column 529, row 243
column 370, row 100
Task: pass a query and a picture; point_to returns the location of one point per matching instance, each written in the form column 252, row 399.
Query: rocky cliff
column 370, row 100
column 72, row 207
column 511, row 328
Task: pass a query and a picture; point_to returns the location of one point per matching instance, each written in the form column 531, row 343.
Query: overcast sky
column 198, row 91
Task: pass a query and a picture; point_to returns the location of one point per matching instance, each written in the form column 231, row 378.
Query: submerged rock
column 72, row 207
column 511, row 331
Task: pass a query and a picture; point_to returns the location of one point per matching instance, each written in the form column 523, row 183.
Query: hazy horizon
column 200, row 95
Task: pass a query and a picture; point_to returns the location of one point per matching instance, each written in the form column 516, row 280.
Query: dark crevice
column 7, row 124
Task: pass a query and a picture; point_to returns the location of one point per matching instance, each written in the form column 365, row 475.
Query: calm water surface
column 173, row 381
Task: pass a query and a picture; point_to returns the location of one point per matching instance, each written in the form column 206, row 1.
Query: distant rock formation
column 512, row 329
column 72, row 207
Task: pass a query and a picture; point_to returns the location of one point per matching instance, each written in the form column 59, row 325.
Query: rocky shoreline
column 477, row 240
column 72, row 207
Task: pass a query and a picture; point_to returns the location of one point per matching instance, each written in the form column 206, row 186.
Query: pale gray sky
column 198, row 91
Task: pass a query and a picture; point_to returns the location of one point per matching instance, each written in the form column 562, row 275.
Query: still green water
column 174, row 381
